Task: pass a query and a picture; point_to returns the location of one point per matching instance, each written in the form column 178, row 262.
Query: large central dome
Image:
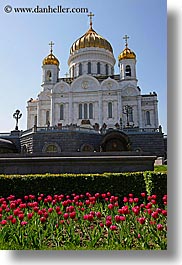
column 91, row 39
column 91, row 54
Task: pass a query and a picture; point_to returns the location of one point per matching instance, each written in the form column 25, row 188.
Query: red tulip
column 122, row 218
column 113, row 227
column 13, row 221
column 110, row 206
column 30, row 215
column 125, row 199
column 66, row 216
column 72, row 215
column 101, row 224
column 164, row 212
column 159, row 227
column 50, row 210
column 117, row 218
column 90, row 217
column 3, row 222
column 98, row 214
column 24, row 223
column 43, row 219
column 155, row 215
column 108, row 223
column 21, row 216
column 141, row 220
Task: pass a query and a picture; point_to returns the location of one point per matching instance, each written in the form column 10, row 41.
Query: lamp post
column 17, row 115
column 127, row 110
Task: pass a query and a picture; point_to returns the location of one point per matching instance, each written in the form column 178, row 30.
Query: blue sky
column 25, row 38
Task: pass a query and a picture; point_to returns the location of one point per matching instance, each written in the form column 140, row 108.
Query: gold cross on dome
column 90, row 15
column 126, row 37
column 51, row 44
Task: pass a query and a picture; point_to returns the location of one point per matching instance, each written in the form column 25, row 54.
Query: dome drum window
column 89, row 68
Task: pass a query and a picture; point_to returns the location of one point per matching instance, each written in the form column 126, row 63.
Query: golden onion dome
column 51, row 58
column 126, row 54
column 91, row 39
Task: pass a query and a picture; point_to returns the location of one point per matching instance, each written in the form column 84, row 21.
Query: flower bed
column 85, row 221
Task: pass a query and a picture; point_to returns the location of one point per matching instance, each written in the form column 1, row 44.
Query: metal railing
column 59, row 129
column 4, row 134
column 77, row 128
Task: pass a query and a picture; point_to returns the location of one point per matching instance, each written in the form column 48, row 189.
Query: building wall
column 72, row 141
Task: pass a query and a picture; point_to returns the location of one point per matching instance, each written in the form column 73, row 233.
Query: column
column 100, row 109
column 38, row 114
column 156, row 122
column 119, row 106
column 139, row 112
column 70, row 108
column 52, row 120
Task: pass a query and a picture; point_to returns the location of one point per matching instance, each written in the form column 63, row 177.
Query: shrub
column 117, row 183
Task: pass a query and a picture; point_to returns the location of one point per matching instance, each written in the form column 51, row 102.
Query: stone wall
column 69, row 141
column 148, row 142
column 73, row 141
column 76, row 163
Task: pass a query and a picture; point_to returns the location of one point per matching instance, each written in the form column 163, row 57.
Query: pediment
column 85, row 82
column 61, row 87
column 129, row 91
column 109, row 84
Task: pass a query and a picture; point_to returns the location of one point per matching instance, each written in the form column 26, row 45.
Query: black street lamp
column 17, row 115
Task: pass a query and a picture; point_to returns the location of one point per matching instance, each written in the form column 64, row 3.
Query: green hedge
column 119, row 184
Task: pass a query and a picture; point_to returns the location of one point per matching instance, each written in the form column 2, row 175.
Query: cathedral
column 92, row 109
column 92, row 95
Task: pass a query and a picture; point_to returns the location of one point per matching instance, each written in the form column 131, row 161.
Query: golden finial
column 90, row 15
column 51, row 44
column 126, row 37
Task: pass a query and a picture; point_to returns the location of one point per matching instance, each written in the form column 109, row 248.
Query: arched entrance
column 115, row 141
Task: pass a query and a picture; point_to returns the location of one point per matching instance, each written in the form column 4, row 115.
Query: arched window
column 87, row 148
column 51, row 149
column 48, row 75
column 47, row 117
column 80, row 69
column 61, row 112
column 147, row 117
column 130, row 115
column 80, row 111
column 128, row 70
column 98, row 68
column 107, row 69
column 85, row 111
column 90, row 111
column 89, row 67
column 110, row 110
column 73, row 71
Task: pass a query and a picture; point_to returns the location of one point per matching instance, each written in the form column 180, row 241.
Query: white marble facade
column 92, row 91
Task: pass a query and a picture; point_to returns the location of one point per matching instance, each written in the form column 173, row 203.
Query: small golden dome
column 51, row 59
column 91, row 39
column 126, row 54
